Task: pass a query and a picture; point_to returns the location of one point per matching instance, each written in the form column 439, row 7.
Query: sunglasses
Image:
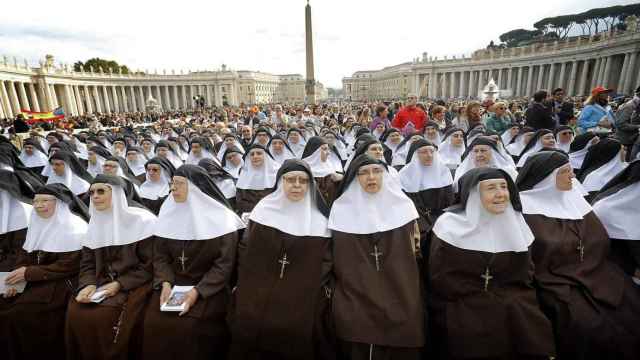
column 292, row 180
column 97, row 191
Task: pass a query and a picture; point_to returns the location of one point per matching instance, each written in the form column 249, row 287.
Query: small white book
column 176, row 299
column 98, row 296
column 4, row 287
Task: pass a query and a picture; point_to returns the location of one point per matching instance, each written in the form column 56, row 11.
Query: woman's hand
column 189, row 300
column 16, row 276
column 111, row 289
column 165, row 293
column 84, row 296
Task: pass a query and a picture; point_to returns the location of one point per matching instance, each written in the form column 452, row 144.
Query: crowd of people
column 421, row 230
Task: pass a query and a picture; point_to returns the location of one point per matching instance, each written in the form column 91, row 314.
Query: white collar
column 618, row 213
column 321, row 168
column 76, row 184
column 223, row 148
column 95, row 170
column 194, row 160
column 277, row 211
column 199, row 218
column 252, row 178
column 137, row 168
column 62, row 232
column 416, row 177
column 596, row 179
column 14, row 214
column 36, row 160
column 497, row 161
column 545, row 199
column 449, row 154
column 576, row 158
column 532, row 150
column 154, row 190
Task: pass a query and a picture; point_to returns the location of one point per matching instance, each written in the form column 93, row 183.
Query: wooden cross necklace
column 376, row 254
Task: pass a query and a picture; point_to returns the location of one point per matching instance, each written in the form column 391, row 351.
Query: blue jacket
column 591, row 115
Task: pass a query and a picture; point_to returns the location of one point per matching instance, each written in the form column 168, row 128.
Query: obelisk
column 310, row 89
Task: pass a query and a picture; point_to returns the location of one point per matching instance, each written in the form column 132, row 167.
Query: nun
column 280, row 150
column 508, row 135
column 602, row 162
column 155, row 189
column 564, row 137
column 16, row 196
column 148, row 148
column 617, row 208
column 135, row 160
column 452, row 147
column 591, row 303
column 104, row 319
column 432, row 132
column 519, row 142
column 296, row 141
column 262, row 136
column 165, row 150
column 200, row 254
column 427, row 181
column 579, row 147
column 285, row 265
column 257, row 178
column 542, row 139
column 483, row 152
column 326, row 170
column 223, row 180
column 391, row 139
column 49, row 262
column 117, row 166
column 66, row 169
column 96, row 155
column 377, row 304
column 229, row 141
column 199, row 149
column 400, row 154
column 33, row 155
column 232, row 161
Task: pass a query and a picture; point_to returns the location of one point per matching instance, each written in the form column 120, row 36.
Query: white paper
column 176, row 299
column 4, row 287
column 99, row 296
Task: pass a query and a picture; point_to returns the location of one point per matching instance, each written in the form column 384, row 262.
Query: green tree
column 97, row 63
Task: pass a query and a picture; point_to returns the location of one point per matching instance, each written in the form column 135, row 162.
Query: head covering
column 387, row 142
column 400, row 154
column 101, row 155
column 449, row 154
column 75, row 177
column 172, row 155
column 223, row 180
column 518, row 144
column 534, row 145
column 204, row 215
column 299, row 147
column 15, row 202
column 230, row 167
column 287, row 153
column 261, row 178
column 438, row 138
column 124, row 223
column 136, row 166
column 617, row 204
column 357, row 212
column 497, row 159
column 223, row 148
column 261, row 130
column 65, row 230
column 506, row 136
column 207, row 151
column 154, row 190
column 276, row 210
column 602, row 162
column 539, row 193
column 416, row 177
column 579, row 147
column 566, row 147
column 468, row 225
column 312, row 155
column 123, row 169
column 38, row 158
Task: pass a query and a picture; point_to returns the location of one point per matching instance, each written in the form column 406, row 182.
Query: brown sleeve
column 22, row 259
column 67, row 265
column 218, row 276
column 162, row 269
column 140, row 273
column 327, row 265
column 87, row 268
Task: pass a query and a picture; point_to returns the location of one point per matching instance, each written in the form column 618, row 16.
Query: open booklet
column 176, row 300
column 4, row 287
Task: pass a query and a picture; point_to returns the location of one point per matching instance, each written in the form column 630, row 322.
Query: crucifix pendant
column 38, row 257
column 376, row 254
column 283, row 264
column 183, row 259
column 487, row 277
column 580, row 249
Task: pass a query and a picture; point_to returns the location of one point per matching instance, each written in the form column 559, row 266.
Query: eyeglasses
column 292, row 180
column 42, row 201
column 153, row 170
column 97, row 191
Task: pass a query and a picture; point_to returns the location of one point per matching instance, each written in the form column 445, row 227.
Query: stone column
column 68, row 103
column 96, row 98
column 560, row 82
column 480, row 82
column 5, row 100
column 630, row 82
column 13, row 98
column 519, row 83
column 54, row 96
column 78, row 98
column 176, row 103
column 607, row 72
column 24, row 101
column 510, row 80
column 539, row 80
column 463, row 85
column 2, row 115
column 142, row 100
column 603, row 65
column 116, row 103
column 105, row 95
column 34, row 97
column 623, row 73
column 500, row 79
column 584, row 77
column 443, row 85
column 167, row 98
column 595, row 73
column 572, row 79
column 452, row 85
column 125, row 98
column 552, row 77
column 87, row 96
column 529, row 84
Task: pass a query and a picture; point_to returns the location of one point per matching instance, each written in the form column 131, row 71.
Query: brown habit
column 281, row 318
column 327, row 188
column 382, row 307
column 505, row 321
column 111, row 329
column 246, row 200
column 34, row 322
column 10, row 245
column 593, row 306
column 202, row 332
column 153, row 205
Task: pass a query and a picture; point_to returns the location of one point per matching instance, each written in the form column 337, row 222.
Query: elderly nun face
column 494, row 194
column 118, row 145
column 196, row 149
column 548, row 140
column 110, row 167
column 395, row 138
column 52, row 139
column 425, row 155
column 330, row 139
column 295, row 185
column 233, row 158
column 28, row 149
column 45, row 205
column 514, row 130
column 564, row 136
column 154, row 171
column 257, row 157
column 262, row 138
column 58, row 166
column 482, row 155
column 564, row 178
column 370, row 178
column 229, row 141
column 147, row 146
column 457, row 139
column 100, row 196
column 132, row 156
column 278, row 146
column 163, row 152
column 180, row 189
column 294, row 137
column 376, row 151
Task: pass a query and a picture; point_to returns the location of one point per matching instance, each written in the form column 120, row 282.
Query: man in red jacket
column 410, row 118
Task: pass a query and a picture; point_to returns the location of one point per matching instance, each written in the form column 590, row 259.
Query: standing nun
column 285, row 265
column 201, row 253
column 116, row 262
column 156, row 188
column 617, row 208
column 256, row 179
column 591, row 303
column 326, row 169
column 482, row 301
column 49, row 262
column 377, row 305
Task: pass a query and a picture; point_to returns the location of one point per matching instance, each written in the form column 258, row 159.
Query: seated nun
column 432, row 132
column 65, row 168
column 376, row 150
column 195, row 247
column 483, row 152
column 564, row 137
column 326, row 170
column 156, row 188
column 199, row 149
column 229, row 141
column 296, row 141
column 377, row 305
column 391, row 139
column 257, row 178
column 232, row 161
column 262, row 137
column 617, row 208
column 510, row 134
column 117, row 166
column 519, row 141
column 285, row 265
column 428, row 183
column 542, row 139
column 223, row 180
column 579, row 147
column 602, row 162
column 135, row 160
column 148, row 146
column 33, row 155
column 15, row 206
column 279, row 149
column 452, row 147
column 49, row 262
column 482, row 301
column 400, row 154
column 164, row 150
column 96, row 156
column 337, row 145
column 591, row 303
column 104, row 320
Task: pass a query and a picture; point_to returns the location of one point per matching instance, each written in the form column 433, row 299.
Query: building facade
column 49, row 86
column 576, row 64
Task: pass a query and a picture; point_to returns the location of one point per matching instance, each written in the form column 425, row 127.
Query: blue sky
column 349, row 35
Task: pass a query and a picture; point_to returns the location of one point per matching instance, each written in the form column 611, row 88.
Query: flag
column 33, row 117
